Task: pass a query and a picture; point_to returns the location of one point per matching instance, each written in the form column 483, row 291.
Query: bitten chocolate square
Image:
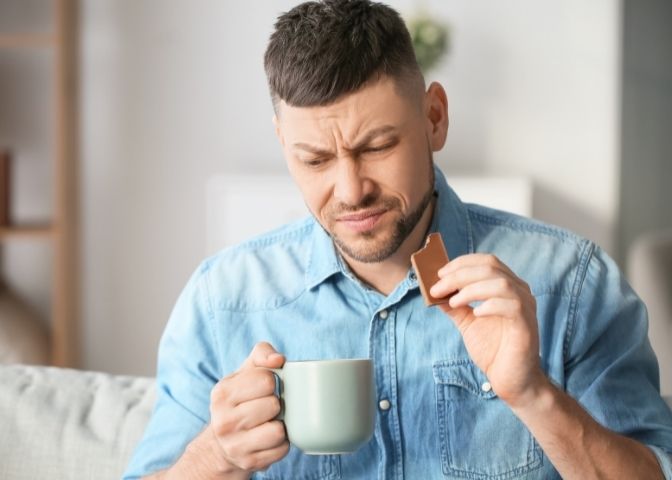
column 427, row 261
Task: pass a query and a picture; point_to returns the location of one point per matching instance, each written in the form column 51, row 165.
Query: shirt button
column 486, row 387
column 383, row 314
column 384, row 404
column 413, row 276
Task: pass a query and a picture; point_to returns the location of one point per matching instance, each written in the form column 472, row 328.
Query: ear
column 436, row 113
column 278, row 132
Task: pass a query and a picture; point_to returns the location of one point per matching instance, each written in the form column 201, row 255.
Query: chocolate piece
column 427, row 261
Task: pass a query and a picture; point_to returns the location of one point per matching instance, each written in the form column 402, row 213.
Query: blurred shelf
column 27, row 40
column 60, row 231
column 26, row 231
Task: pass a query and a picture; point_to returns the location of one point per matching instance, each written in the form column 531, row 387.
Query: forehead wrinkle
column 344, row 124
column 364, row 138
column 361, row 134
column 332, row 132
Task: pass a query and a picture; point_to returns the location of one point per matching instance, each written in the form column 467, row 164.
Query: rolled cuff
column 664, row 459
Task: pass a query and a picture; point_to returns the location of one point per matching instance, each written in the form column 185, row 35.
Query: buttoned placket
column 383, row 352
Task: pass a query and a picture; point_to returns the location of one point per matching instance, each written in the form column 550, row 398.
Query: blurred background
column 117, row 117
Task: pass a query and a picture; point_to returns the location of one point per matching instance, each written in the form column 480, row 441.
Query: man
column 539, row 366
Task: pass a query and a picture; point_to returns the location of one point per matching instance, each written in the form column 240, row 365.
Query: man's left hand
column 501, row 333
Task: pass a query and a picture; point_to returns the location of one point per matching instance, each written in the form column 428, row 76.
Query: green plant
column 431, row 40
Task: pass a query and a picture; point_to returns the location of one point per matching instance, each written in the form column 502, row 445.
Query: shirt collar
column 322, row 257
column 450, row 219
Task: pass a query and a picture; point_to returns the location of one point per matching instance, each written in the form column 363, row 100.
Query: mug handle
column 278, row 392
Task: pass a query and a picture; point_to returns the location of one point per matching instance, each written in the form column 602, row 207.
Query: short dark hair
column 321, row 50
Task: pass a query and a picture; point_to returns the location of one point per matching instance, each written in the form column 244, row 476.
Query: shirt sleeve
column 665, row 461
column 611, row 368
column 187, row 372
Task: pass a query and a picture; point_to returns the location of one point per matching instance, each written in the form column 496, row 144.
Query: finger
column 473, row 259
column 250, row 414
column 266, row 436
column 246, row 385
column 263, row 459
column 481, row 291
column 502, row 307
column 458, row 279
column 457, row 315
column 264, row 355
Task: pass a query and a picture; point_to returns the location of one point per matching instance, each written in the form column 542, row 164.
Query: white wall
column 646, row 164
column 173, row 92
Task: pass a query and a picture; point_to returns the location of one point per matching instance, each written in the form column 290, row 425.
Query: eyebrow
column 376, row 132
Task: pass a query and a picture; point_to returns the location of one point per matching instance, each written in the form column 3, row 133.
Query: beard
column 373, row 247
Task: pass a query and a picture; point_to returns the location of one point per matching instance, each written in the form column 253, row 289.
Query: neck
column 385, row 276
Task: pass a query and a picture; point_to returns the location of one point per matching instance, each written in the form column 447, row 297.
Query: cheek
column 314, row 189
column 408, row 176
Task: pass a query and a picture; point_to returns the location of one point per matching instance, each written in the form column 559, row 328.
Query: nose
column 350, row 186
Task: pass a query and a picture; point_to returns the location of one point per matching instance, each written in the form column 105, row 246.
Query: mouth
column 361, row 221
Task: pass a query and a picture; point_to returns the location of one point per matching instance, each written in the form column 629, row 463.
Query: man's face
column 363, row 165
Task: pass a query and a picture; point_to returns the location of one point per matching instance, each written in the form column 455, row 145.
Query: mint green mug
column 328, row 405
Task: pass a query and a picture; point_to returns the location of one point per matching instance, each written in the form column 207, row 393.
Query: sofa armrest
column 68, row 424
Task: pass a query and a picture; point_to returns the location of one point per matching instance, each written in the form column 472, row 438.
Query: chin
column 367, row 250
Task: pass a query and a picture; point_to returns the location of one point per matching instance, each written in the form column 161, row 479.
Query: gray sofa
column 62, row 424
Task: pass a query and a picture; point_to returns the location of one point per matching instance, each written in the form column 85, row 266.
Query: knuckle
column 232, row 450
column 218, row 429
column 277, row 431
column 216, row 423
column 255, row 353
column 490, row 270
column 229, row 424
column 280, row 452
column 221, row 391
column 261, row 347
column 491, row 259
column 267, row 381
column 504, row 284
column 517, row 306
column 214, row 397
column 275, row 405
column 222, row 425
column 247, row 463
column 216, row 392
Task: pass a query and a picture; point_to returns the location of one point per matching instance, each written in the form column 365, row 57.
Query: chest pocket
column 480, row 436
column 298, row 466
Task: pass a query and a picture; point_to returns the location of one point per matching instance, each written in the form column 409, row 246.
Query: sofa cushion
column 62, row 424
column 69, row 424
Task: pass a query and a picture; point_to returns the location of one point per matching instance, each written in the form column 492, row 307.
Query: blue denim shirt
column 290, row 288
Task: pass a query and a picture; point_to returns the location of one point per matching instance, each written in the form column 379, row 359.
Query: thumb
column 264, row 355
column 459, row 315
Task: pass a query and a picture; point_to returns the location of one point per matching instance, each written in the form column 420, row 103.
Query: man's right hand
column 243, row 408
column 243, row 435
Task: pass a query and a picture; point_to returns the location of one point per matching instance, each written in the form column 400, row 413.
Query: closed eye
column 316, row 162
column 381, row 148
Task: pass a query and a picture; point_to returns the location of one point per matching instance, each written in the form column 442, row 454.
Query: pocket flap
column 465, row 374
